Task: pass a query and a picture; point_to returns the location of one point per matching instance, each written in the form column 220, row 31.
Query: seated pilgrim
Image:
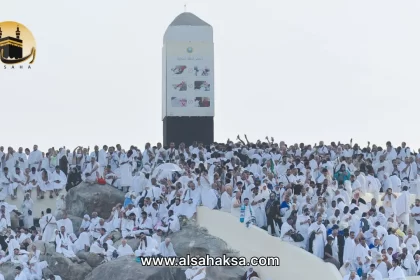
column 64, row 245
column 91, row 173
column 177, row 207
column 83, row 242
column 130, row 226
column 16, row 257
column 147, row 247
column 59, row 179
column 96, row 246
column 109, row 251
column 190, row 200
column 96, row 229
column 196, row 273
column 166, row 249
column 124, row 249
column 112, row 178
column 145, row 224
column 34, row 253
column 170, row 223
column 35, row 269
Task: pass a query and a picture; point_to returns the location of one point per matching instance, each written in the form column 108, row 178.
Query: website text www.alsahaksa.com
column 210, row 261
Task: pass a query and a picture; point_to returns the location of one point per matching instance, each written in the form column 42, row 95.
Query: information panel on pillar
column 190, row 79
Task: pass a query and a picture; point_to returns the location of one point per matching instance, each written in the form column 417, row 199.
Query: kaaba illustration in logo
column 17, row 43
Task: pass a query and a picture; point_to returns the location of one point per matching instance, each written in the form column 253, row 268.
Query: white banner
column 189, row 79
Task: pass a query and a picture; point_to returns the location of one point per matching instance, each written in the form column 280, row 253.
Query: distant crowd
column 313, row 197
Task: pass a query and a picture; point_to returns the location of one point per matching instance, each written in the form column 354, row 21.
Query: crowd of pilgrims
column 347, row 205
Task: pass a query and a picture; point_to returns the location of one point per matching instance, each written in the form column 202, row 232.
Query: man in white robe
column 19, row 181
column 302, row 225
column 320, row 240
column 166, row 249
column 170, row 223
column 7, row 184
column 35, row 269
column 97, row 246
column 415, row 214
column 59, row 179
column 209, row 197
column 83, row 242
column 35, row 158
column 226, row 200
column 20, row 273
column 145, row 224
column 64, row 244
column 258, row 204
column 66, row 222
column 411, row 242
column 112, row 178
column 91, row 173
column 126, row 165
column 94, row 222
column 389, row 203
column 95, row 230
column 147, row 247
column 286, row 231
column 402, row 207
column 33, row 180
column 124, row 249
column 396, row 272
column 361, row 256
column 191, row 199
column 48, row 225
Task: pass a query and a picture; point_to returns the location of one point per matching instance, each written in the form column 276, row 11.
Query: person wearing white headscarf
column 85, row 223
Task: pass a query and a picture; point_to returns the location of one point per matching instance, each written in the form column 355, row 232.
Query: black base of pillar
column 188, row 130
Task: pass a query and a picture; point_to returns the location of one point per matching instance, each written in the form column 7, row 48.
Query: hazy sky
column 306, row 70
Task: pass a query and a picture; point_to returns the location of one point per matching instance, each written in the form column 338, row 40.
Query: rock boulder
column 192, row 240
column 60, row 265
column 126, row 268
column 85, row 199
column 93, row 260
column 8, row 271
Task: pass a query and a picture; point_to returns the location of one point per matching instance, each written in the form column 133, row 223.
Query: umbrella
column 165, row 169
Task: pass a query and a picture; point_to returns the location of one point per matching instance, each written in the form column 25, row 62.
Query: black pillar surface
column 188, row 130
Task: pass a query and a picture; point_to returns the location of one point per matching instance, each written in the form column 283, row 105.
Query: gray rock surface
column 77, row 222
column 126, row 268
column 8, row 271
column 60, row 265
column 190, row 240
column 93, row 260
column 85, row 199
